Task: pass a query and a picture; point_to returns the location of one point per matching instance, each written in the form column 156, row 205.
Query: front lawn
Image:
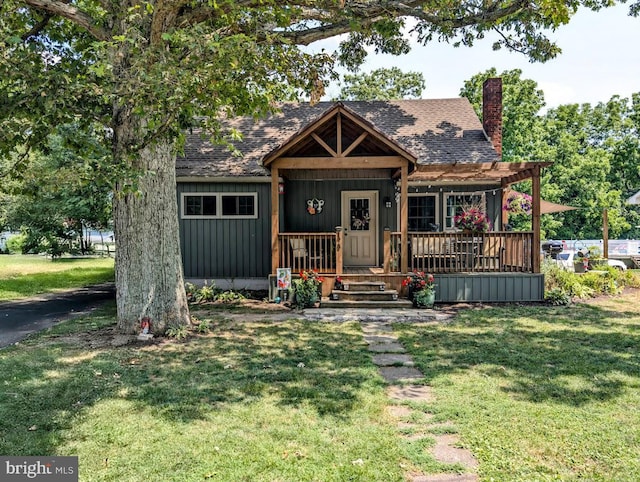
column 252, row 401
column 540, row 393
column 22, row 276
column 536, row 393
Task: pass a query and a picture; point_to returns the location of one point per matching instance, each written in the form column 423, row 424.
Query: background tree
column 594, row 150
column 591, row 169
column 522, row 128
column 148, row 70
column 522, row 102
column 382, row 84
column 60, row 194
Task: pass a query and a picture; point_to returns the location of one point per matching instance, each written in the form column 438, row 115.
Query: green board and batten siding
column 227, row 248
column 241, row 248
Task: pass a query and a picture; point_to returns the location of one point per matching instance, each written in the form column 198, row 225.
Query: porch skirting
column 456, row 287
column 489, row 287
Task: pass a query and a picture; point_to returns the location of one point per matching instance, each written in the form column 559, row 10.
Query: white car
column 567, row 258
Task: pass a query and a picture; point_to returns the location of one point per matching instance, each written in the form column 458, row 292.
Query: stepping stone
column 371, row 339
column 396, row 374
column 387, row 348
column 416, row 393
column 399, row 411
column 445, row 478
column 376, row 327
column 392, row 359
column 444, row 451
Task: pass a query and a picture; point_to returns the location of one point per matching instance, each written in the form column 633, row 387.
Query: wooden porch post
column 275, row 220
column 339, row 241
column 387, row 250
column 505, row 214
column 404, row 215
column 535, row 218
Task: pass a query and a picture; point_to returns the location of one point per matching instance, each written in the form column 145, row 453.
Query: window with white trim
column 219, row 205
column 422, row 212
column 455, row 204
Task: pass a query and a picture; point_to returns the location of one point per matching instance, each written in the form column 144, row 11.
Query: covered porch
column 354, row 177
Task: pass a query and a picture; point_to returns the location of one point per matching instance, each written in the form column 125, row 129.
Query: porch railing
column 499, row 251
column 307, row 251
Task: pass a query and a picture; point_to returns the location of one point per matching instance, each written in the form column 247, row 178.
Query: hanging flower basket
column 472, row 221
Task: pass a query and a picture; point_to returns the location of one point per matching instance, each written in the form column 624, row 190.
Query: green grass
column 536, row 393
column 22, row 276
column 253, row 401
column 540, row 393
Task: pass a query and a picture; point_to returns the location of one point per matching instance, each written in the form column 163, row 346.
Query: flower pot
column 425, row 301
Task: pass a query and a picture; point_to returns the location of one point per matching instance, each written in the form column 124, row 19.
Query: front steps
column 364, row 294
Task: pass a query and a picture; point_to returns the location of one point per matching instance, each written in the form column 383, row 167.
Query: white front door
column 360, row 227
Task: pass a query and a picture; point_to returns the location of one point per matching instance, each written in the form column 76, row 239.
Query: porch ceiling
column 504, row 173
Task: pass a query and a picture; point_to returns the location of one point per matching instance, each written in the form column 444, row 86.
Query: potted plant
column 472, row 220
column 426, row 297
column 421, row 288
column 518, row 203
column 306, row 289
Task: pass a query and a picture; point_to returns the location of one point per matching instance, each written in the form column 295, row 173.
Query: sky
column 600, row 58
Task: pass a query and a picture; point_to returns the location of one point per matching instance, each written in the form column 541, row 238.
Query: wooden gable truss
column 339, row 140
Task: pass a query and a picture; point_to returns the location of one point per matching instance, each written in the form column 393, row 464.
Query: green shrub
column 608, row 281
column 557, row 297
column 206, row 293
column 631, row 279
column 191, row 290
column 179, row 332
column 604, row 281
column 16, row 243
column 306, row 289
column 202, row 326
column 230, row 297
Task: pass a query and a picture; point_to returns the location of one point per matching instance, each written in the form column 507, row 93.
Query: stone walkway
column 407, row 391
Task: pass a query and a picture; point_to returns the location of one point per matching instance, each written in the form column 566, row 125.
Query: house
column 364, row 190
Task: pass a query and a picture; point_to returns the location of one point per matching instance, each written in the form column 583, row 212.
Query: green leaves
column 382, row 84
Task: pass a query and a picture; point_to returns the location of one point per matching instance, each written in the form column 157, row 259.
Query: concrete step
column 398, row 304
column 352, row 295
column 363, row 285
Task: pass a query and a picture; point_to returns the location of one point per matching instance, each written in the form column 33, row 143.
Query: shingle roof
column 436, row 131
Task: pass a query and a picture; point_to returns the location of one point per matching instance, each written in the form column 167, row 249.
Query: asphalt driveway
column 19, row 319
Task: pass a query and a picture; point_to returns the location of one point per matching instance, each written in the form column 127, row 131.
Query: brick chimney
column 492, row 111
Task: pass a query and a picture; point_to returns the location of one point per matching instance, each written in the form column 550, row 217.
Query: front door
column 360, row 227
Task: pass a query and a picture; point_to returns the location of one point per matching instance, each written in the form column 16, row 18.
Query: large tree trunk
column 149, row 279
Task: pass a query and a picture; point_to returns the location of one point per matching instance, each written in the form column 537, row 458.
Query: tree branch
column 38, row 27
column 336, row 18
column 71, row 13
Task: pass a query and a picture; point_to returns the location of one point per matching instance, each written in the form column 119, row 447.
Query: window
column 237, row 205
column 200, row 205
column 456, row 202
column 219, row 205
column 422, row 213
